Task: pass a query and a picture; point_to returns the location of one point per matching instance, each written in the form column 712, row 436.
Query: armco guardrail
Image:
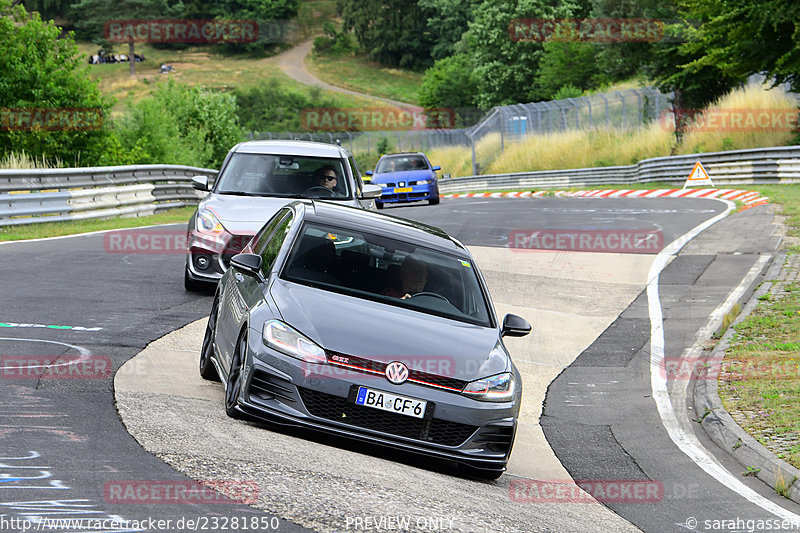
column 756, row 166
column 53, row 195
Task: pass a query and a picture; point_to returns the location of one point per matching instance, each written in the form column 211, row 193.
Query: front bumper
column 280, row 389
column 416, row 194
column 208, row 258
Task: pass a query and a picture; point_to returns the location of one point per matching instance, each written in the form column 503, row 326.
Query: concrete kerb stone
column 723, row 429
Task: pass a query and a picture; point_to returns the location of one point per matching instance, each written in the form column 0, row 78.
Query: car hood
column 243, row 214
column 385, row 333
column 410, row 175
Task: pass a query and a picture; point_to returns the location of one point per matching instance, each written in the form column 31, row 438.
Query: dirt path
column 292, row 63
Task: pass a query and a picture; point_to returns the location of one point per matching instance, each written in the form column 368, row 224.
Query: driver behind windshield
column 326, row 177
column 413, row 276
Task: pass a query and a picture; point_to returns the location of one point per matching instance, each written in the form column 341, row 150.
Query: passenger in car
column 413, row 274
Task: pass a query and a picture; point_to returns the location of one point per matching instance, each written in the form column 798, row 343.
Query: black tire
column 434, row 200
column 379, row 205
column 207, row 369
column 234, row 384
column 191, row 285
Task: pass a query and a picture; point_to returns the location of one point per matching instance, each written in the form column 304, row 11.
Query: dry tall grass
column 763, row 117
column 23, row 161
column 609, row 147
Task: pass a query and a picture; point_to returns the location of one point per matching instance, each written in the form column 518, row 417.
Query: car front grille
column 420, row 377
column 338, row 409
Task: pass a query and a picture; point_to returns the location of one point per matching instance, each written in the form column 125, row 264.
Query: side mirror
column 249, row 264
column 515, row 326
column 437, row 167
column 200, row 183
column 369, row 173
column 371, row 191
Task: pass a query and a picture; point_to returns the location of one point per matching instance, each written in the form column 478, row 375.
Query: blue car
column 406, row 177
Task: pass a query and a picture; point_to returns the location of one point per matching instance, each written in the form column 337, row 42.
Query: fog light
column 201, row 262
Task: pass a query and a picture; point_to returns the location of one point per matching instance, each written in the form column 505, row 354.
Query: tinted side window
column 273, row 244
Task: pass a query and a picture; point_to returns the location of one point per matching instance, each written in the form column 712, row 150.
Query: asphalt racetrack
column 588, row 413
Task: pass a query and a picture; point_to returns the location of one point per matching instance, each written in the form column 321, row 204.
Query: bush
column 274, row 107
column 176, row 125
column 567, row 91
column 40, row 70
column 335, row 43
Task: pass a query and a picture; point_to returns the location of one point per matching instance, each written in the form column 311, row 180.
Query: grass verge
column 57, row 229
column 359, row 74
column 760, row 379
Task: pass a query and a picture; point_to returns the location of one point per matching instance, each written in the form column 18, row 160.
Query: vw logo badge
column 396, row 372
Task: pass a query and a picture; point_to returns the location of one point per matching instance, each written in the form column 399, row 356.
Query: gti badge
column 396, row 372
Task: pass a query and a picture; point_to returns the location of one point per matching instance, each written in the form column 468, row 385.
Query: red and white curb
column 749, row 198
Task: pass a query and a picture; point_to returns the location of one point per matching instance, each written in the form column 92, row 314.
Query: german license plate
column 402, row 189
column 393, row 403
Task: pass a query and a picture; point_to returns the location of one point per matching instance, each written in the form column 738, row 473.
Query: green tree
column 448, row 20
column 449, row 83
column 48, row 9
column 39, row 70
column 567, row 64
column 744, row 37
column 394, row 32
column 505, row 68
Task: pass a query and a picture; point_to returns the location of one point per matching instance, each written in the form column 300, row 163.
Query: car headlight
column 422, row 182
column 286, row 339
column 499, row 388
column 207, row 222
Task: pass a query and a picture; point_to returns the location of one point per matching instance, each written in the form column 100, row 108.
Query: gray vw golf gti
column 367, row 326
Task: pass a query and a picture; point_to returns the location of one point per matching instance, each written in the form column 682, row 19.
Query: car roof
column 402, row 154
column 396, row 227
column 298, row 148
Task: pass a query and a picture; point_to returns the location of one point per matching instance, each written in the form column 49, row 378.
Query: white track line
column 685, row 439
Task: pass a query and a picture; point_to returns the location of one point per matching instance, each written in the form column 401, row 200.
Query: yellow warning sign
column 698, row 176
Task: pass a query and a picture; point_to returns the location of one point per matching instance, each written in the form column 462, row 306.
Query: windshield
column 401, row 163
column 393, row 272
column 289, row 176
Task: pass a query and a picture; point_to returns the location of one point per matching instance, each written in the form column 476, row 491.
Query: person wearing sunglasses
column 326, row 176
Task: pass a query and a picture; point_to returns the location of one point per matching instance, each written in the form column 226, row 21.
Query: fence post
column 474, row 162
